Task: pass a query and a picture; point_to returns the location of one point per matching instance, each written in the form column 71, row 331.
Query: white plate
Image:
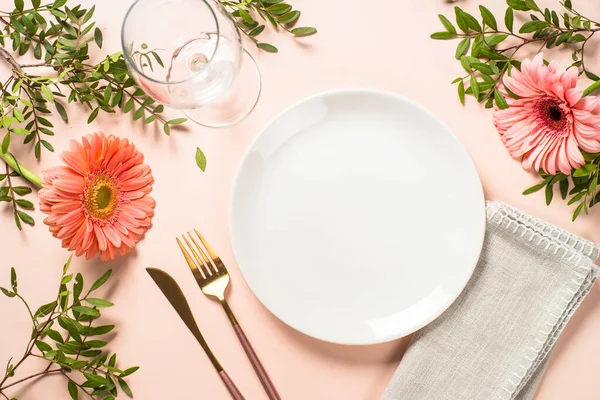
column 357, row 216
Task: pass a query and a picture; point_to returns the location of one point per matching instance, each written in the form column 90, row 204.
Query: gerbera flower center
column 552, row 113
column 101, row 197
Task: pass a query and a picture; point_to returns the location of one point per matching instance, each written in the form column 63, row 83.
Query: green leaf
column 289, row 17
column 150, row 119
column 88, row 15
column 303, row 31
column 592, row 76
column 268, row 47
column 462, row 47
column 518, row 5
column 584, row 170
column 129, row 371
column 464, row 61
column 177, row 121
column 245, row 15
column 77, row 286
column 26, row 218
column 70, row 326
column 549, row 194
column 257, row 31
column 91, row 353
column 578, row 211
column 45, row 309
column 20, row 131
column 7, row 292
column 96, row 343
column 101, row 281
column 87, row 311
column 536, row 187
column 42, row 346
column 98, row 330
column 124, row 387
column 576, row 38
column 66, row 279
column 488, row 18
column 447, row 24
column 61, row 111
column 500, row 100
column 158, row 59
column 128, row 105
column 461, row 92
column 509, row 18
column 5, row 144
column 55, row 335
column 26, row 204
column 47, row 145
column 279, row 9
column 460, row 20
column 73, row 392
column 167, row 128
column 531, row 5
column 442, row 35
column 200, row 159
column 532, row 26
column 22, row 190
column 139, row 113
column 98, row 37
column 483, row 68
column 100, row 303
column 37, row 51
column 19, row 4
column 47, row 93
column 576, row 198
column 95, row 380
column 474, row 86
column 495, row 39
column 472, row 22
column 93, row 115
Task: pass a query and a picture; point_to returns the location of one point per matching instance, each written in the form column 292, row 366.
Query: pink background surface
column 381, row 44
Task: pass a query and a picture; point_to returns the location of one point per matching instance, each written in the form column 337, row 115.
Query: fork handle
column 233, row 390
column 258, row 367
column 254, row 360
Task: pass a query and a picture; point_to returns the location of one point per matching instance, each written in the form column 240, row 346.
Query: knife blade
column 173, row 293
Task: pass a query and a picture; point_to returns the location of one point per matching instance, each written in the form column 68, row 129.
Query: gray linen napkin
column 494, row 341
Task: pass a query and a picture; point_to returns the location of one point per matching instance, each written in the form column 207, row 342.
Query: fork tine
column 205, row 269
column 193, row 266
column 207, row 262
column 215, row 258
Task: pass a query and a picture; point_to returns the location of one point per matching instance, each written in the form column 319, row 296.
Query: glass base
column 241, row 99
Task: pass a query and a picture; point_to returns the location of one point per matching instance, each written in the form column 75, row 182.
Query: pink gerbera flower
column 99, row 201
column 550, row 121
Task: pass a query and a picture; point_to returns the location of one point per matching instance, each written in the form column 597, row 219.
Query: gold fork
column 213, row 279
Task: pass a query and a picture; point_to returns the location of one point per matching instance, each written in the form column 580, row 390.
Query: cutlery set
column 212, row 277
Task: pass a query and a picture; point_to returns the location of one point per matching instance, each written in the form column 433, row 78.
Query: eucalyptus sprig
column 280, row 15
column 65, row 333
column 486, row 58
column 59, row 38
column 487, row 52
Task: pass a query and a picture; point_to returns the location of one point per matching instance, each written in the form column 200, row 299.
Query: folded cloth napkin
column 495, row 339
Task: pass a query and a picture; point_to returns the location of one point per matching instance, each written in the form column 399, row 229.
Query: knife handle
column 235, row 392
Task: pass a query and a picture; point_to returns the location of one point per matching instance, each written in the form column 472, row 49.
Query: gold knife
column 173, row 293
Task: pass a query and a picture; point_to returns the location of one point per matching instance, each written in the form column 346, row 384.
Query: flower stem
column 21, row 170
column 51, row 371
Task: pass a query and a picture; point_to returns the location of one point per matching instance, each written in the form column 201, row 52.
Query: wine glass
column 188, row 54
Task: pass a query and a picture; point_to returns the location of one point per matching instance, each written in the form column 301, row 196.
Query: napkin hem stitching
column 575, row 292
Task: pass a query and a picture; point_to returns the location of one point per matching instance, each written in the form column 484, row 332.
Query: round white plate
column 357, row 216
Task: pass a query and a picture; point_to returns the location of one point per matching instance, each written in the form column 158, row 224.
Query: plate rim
column 355, row 90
